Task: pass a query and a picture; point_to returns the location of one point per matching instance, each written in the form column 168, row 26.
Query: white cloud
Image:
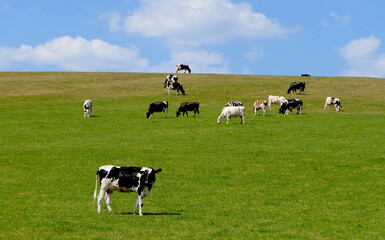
column 197, row 22
column 76, row 54
column 363, row 58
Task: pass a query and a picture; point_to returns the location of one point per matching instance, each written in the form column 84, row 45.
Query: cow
column 170, row 79
column 102, row 173
column 188, row 106
column 231, row 111
column 87, row 107
column 333, row 101
column 175, row 86
column 297, row 85
column 125, row 179
column 234, row 104
column 156, row 107
column 260, row 104
column 305, row 75
column 288, row 105
column 181, row 67
column 275, row 100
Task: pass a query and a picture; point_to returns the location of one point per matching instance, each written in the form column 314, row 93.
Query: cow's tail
column 96, row 186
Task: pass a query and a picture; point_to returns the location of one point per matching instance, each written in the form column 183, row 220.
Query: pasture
column 319, row 175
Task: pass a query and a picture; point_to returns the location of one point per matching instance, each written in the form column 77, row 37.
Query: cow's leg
column 101, row 196
column 139, row 203
column 242, row 119
column 108, row 202
column 136, row 206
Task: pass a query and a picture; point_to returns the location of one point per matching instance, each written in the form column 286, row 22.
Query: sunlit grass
column 314, row 176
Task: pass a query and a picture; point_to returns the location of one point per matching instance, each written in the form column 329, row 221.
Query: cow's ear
column 158, row 171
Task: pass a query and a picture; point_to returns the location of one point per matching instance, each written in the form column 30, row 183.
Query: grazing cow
column 275, row 100
column 175, row 86
column 170, row 79
column 260, row 104
column 188, row 106
column 234, row 104
column 125, row 179
column 333, row 101
column 296, row 85
column 156, row 107
column 87, row 107
column 288, row 105
column 305, row 75
column 231, row 111
column 181, row 67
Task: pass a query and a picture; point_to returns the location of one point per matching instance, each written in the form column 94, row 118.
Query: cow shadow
column 150, row 214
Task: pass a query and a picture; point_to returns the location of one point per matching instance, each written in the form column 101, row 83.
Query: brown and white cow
column 258, row 105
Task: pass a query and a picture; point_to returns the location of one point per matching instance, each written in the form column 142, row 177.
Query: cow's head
column 283, row 108
column 177, row 113
column 148, row 114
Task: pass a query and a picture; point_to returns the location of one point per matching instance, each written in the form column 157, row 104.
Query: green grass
column 315, row 176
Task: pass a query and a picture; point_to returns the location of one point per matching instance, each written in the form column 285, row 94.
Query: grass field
column 319, row 175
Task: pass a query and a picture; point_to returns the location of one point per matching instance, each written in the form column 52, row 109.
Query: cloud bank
column 77, row 54
column 198, row 22
column 363, row 58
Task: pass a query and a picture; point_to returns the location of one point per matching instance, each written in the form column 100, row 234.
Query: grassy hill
column 319, row 175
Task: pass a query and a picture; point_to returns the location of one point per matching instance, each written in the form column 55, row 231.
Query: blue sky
column 260, row 37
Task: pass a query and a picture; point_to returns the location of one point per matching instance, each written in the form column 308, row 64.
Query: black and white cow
column 170, row 79
column 296, row 85
column 233, row 104
column 334, row 102
column 156, row 107
column 288, row 105
column 125, row 179
column 175, row 86
column 100, row 174
column 87, row 107
column 181, row 67
column 188, row 106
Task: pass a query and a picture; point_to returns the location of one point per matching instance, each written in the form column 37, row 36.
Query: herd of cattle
column 141, row 179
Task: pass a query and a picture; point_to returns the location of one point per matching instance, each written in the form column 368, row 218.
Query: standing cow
column 288, row 105
column 181, row 67
column 125, row 179
column 334, row 102
column 188, row 106
column 228, row 112
column 156, row 107
column 275, row 100
column 87, row 107
column 258, row 105
column 294, row 86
